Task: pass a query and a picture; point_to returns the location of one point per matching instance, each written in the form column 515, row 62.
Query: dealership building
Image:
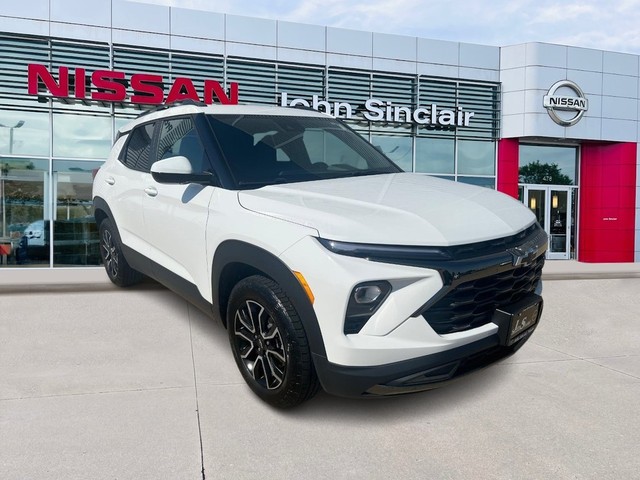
column 556, row 127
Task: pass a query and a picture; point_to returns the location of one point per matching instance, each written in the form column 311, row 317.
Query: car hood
column 393, row 209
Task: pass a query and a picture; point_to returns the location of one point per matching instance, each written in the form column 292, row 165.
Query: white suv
column 327, row 264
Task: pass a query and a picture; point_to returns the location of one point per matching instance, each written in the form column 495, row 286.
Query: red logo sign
column 111, row 86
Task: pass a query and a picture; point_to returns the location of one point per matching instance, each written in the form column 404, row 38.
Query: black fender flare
column 255, row 260
column 101, row 211
column 99, row 204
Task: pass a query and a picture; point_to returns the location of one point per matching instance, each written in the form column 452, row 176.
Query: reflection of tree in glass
column 543, row 173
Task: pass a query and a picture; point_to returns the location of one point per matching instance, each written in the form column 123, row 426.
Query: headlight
column 396, row 254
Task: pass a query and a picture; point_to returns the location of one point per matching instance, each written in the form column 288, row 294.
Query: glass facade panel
column 24, row 234
column 398, row 149
column 24, row 133
column 548, row 165
column 435, row 155
column 488, row 182
column 445, row 177
column 75, row 234
column 476, row 158
column 81, row 136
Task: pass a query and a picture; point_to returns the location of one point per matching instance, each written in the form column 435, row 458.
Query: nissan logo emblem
column 556, row 105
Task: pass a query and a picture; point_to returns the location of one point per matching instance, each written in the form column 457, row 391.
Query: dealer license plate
column 523, row 321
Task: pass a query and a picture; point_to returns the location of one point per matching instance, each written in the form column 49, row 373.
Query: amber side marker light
column 305, row 285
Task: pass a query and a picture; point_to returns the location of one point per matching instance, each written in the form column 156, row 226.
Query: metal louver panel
column 484, row 100
column 133, row 61
column 401, row 92
column 257, row 81
column 353, row 88
column 90, row 57
column 347, row 86
column 301, row 82
column 441, row 92
column 15, row 54
column 198, row 69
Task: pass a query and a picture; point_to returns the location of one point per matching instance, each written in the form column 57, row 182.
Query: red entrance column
column 508, row 157
column 606, row 222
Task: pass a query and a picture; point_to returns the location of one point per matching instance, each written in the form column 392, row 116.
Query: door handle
column 151, row 191
column 110, row 180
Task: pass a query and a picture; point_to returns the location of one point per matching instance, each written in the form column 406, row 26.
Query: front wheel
column 118, row 270
column 269, row 343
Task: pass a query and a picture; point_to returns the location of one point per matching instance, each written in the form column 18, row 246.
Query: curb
column 588, row 276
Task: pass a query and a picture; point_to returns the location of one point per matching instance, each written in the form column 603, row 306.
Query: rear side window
column 137, row 154
column 179, row 136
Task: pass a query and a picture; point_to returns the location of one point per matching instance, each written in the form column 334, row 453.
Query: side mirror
column 178, row 170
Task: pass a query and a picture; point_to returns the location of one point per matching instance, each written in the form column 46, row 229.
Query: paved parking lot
column 132, row 384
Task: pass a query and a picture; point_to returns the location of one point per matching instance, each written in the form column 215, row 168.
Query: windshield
column 267, row 149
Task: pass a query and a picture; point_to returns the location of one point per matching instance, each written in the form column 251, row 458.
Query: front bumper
column 417, row 374
column 461, row 293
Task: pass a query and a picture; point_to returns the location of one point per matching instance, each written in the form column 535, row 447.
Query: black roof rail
column 187, row 101
column 302, row 107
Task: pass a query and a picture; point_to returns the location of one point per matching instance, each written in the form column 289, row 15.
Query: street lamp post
column 17, row 125
column 4, row 209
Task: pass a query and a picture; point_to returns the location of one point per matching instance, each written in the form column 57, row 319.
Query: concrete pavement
column 98, row 382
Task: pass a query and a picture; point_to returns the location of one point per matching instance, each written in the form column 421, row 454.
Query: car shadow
column 448, row 397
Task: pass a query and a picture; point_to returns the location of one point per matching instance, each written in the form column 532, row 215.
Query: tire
column 269, row 343
column 118, row 270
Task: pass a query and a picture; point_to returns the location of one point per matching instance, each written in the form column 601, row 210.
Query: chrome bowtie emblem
column 524, row 254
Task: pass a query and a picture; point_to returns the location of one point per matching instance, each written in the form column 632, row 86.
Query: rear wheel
column 269, row 343
column 118, row 270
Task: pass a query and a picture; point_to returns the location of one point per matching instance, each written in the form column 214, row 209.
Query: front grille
column 471, row 304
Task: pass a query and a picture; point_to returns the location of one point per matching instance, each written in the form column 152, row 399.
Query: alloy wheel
column 110, row 254
column 260, row 345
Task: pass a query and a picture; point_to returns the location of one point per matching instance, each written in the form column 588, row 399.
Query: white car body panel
column 124, row 189
column 175, row 221
column 393, row 209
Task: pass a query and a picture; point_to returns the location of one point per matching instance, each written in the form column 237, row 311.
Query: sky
column 605, row 25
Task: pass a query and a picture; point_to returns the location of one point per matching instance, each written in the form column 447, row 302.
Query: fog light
column 363, row 303
column 367, row 294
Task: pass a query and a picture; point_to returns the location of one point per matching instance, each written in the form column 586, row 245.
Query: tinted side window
column 179, row 137
column 138, row 151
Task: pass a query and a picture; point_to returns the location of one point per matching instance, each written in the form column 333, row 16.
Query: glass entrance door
column 553, row 207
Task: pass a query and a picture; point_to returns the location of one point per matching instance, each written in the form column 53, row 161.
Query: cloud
column 597, row 24
column 561, row 13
